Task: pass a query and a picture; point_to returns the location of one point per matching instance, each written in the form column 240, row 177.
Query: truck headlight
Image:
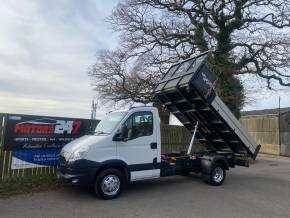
column 78, row 154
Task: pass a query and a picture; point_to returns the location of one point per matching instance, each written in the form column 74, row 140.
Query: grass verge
column 27, row 185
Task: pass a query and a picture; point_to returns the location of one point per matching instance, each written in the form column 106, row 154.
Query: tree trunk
column 163, row 113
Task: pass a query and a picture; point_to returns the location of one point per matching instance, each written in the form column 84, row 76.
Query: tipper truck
column 126, row 144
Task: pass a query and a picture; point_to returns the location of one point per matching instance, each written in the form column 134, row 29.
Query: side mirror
column 121, row 134
column 117, row 137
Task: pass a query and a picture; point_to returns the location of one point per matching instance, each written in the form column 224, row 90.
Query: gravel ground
column 263, row 190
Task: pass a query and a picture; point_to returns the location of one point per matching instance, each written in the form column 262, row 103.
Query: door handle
column 153, row 145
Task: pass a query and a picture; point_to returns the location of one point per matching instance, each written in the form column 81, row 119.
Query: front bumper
column 85, row 176
column 81, row 172
column 68, row 178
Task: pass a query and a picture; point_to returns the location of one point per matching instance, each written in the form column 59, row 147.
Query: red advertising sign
column 36, row 132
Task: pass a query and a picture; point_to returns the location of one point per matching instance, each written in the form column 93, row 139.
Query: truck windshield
column 109, row 122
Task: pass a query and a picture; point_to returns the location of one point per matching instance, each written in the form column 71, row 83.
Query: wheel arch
column 223, row 162
column 115, row 164
column 207, row 162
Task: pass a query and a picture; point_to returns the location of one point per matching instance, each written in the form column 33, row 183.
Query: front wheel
column 109, row 184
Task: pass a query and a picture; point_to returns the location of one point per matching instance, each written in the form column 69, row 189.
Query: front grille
column 61, row 160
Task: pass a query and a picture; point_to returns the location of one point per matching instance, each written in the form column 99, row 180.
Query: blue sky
column 46, row 48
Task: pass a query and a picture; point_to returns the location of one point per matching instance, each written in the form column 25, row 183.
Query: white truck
column 126, row 145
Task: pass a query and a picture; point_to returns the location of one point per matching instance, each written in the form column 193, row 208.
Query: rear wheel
column 217, row 174
column 109, row 183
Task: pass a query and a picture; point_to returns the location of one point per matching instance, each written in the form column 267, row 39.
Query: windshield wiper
column 101, row 132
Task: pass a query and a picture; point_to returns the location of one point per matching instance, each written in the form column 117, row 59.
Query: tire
column 109, row 184
column 217, row 175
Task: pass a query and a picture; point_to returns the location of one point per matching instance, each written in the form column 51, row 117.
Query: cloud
column 46, row 48
column 45, row 51
column 260, row 97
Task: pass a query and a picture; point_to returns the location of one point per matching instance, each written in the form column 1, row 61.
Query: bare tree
column 245, row 37
column 116, row 78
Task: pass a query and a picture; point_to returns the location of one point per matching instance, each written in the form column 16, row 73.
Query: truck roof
column 188, row 91
column 135, row 107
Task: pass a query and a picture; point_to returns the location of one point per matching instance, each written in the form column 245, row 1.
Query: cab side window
column 139, row 124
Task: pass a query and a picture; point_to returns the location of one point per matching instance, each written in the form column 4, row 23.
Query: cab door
column 139, row 146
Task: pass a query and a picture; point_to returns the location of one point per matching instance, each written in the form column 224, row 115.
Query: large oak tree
column 245, row 37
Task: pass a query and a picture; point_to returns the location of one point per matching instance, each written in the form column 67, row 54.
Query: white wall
column 174, row 121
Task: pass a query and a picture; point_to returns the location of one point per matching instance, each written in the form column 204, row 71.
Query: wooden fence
column 7, row 173
column 173, row 138
column 265, row 131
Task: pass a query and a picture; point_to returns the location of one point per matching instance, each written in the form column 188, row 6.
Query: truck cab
column 126, row 141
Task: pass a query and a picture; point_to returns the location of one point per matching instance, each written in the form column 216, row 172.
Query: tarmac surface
column 263, row 190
